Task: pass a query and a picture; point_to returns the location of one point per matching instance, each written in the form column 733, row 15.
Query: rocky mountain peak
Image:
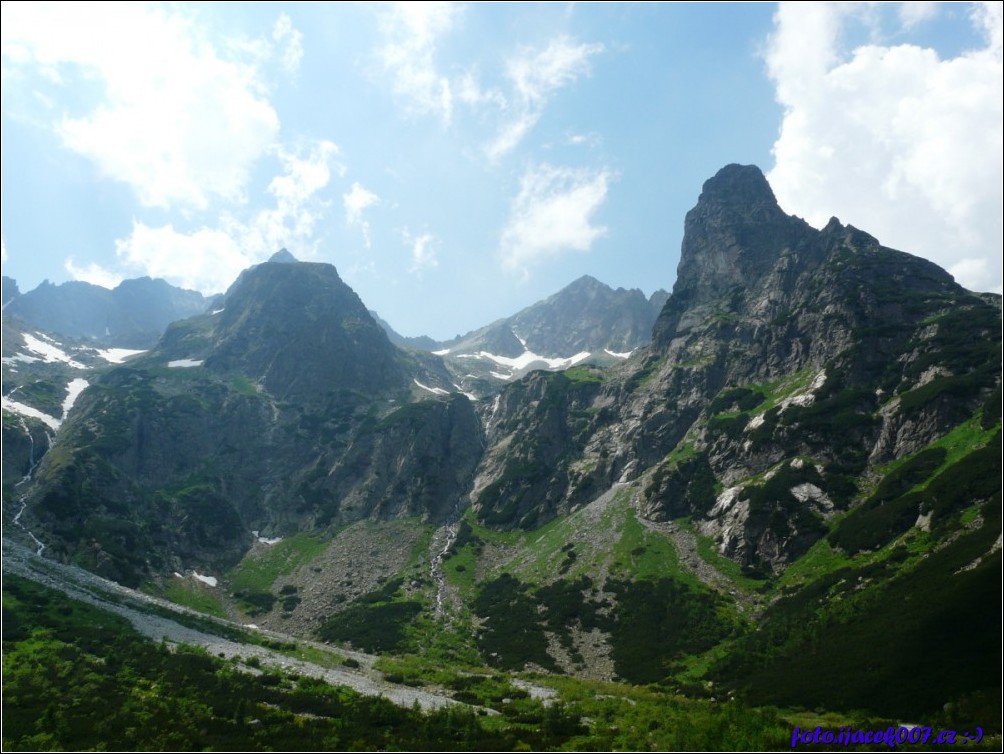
column 304, row 332
column 9, row 290
column 734, row 234
column 282, row 257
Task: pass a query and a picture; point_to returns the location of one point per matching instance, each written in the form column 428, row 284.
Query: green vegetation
column 653, row 365
column 243, row 385
column 46, row 396
column 645, row 554
column 925, row 628
column 375, row 622
column 583, row 374
column 195, row 596
column 912, row 489
column 708, row 552
column 652, row 623
column 738, row 398
column 259, row 569
column 105, row 687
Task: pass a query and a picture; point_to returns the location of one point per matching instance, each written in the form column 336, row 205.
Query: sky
column 458, row 162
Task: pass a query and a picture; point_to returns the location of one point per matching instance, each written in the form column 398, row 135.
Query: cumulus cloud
column 208, row 259
column 422, row 253
column 355, row 201
column 893, row 139
column 412, row 31
column 552, row 214
column 92, row 273
column 180, row 118
column 535, row 75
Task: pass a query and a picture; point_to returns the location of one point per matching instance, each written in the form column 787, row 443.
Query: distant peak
column 586, row 281
column 282, row 257
column 739, row 186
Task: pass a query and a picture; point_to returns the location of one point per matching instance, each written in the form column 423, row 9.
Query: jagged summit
column 302, row 330
column 282, row 257
column 742, row 188
column 734, row 234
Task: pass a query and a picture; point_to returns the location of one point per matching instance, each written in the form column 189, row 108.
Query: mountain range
column 783, row 482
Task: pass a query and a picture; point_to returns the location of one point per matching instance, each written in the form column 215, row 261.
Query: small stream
column 449, row 532
column 32, row 463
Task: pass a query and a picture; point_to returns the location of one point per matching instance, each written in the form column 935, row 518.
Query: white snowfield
column 208, row 580
column 184, row 363
column 623, row 355
column 266, row 540
column 433, row 390
column 49, row 352
column 73, row 391
column 527, row 358
column 22, row 410
column 117, row 355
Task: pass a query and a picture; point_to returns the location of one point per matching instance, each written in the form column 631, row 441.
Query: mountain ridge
column 815, row 424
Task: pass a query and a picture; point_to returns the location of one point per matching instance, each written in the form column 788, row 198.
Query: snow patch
column 618, row 355
column 527, row 358
column 207, row 580
column 443, row 352
column 470, row 396
column 184, row 363
column 117, row 355
column 266, row 540
column 19, row 408
column 22, row 357
column 215, row 312
column 179, row 575
column 500, row 376
column 434, row 390
column 73, row 391
column 50, row 352
column 522, row 341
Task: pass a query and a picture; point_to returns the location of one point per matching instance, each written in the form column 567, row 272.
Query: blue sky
column 459, row 162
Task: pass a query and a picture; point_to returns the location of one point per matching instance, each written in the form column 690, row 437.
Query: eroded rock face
column 303, row 333
column 835, row 341
column 787, row 363
column 287, row 410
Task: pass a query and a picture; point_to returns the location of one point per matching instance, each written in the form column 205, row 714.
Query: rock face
column 586, row 315
column 786, row 367
column 132, row 315
column 779, row 343
column 286, row 410
column 300, row 331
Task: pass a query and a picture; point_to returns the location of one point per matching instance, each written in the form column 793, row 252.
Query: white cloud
column 180, row 118
column 292, row 52
column 913, row 13
column 422, row 253
column 553, row 213
column 893, row 139
column 535, row 75
column 355, row 201
column 209, row 259
column 93, row 273
column 411, row 31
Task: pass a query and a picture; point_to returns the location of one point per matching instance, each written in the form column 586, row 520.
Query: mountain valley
column 774, row 493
